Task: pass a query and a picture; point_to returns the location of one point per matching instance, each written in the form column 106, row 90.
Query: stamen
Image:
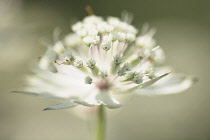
column 88, row 80
column 129, row 76
column 138, row 79
column 122, row 70
column 117, row 59
column 107, row 42
column 116, row 64
column 115, row 78
column 103, row 74
column 91, row 64
column 90, row 51
column 89, row 40
column 78, row 63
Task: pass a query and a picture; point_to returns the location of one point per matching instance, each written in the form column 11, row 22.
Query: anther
column 138, row 79
column 117, row 59
column 78, row 63
column 91, row 63
column 103, row 74
column 88, row 80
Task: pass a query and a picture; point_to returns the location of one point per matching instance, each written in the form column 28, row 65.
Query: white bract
column 101, row 61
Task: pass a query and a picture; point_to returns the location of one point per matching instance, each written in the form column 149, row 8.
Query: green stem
column 100, row 124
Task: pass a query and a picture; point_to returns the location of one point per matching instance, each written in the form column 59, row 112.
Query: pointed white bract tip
column 58, row 47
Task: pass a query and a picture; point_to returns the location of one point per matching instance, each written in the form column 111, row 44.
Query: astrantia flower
column 99, row 61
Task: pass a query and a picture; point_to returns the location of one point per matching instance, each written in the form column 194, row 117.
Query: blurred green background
column 183, row 31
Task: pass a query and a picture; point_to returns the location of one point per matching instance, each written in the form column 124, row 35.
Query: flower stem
column 100, row 124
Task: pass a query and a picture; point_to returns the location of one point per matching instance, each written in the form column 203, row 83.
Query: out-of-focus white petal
column 64, row 105
column 107, row 100
column 41, row 94
column 172, row 84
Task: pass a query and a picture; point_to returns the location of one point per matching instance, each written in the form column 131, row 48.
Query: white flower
column 104, row 62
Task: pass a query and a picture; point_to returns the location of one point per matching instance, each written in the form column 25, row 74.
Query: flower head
column 99, row 61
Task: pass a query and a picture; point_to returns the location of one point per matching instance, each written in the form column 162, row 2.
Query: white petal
column 174, row 83
column 107, row 100
column 58, row 85
column 150, row 82
column 147, row 83
column 85, row 103
column 64, row 105
column 41, row 94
